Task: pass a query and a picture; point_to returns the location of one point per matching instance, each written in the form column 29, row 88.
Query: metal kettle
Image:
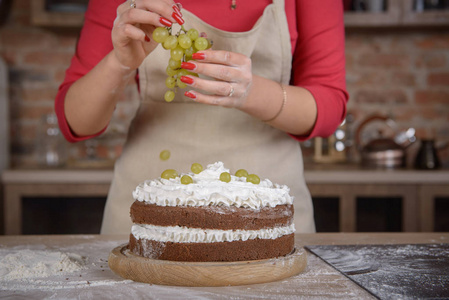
column 384, row 151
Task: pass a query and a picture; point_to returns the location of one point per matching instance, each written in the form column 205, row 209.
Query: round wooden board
column 164, row 272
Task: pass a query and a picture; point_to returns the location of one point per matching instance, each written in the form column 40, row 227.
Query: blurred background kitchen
column 385, row 169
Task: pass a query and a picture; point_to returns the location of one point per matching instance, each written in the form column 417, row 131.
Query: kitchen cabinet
column 417, row 191
column 350, row 184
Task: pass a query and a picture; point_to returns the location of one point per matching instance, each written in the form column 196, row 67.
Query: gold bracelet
column 284, row 100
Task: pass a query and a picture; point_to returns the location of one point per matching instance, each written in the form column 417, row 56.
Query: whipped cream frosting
column 179, row 234
column 207, row 189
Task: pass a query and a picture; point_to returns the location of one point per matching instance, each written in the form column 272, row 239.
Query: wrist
column 117, row 67
column 264, row 98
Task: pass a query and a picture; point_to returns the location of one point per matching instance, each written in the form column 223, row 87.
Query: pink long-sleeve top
column 316, row 33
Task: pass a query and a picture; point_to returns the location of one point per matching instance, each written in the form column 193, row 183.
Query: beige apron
column 205, row 134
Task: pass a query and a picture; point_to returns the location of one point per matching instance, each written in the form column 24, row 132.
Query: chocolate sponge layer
column 212, row 217
column 222, row 251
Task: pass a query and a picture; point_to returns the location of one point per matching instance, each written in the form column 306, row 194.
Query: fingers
column 156, row 13
column 131, row 32
column 223, row 57
column 232, row 74
column 212, row 99
column 221, row 65
column 220, row 88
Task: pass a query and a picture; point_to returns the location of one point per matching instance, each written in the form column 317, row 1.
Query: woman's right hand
column 134, row 26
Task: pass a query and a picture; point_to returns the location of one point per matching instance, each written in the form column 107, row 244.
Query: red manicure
column 188, row 66
column 190, row 95
column 198, row 56
column 186, row 79
column 147, row 39
column 165, row 22
column 177, row 10
column 178, row 18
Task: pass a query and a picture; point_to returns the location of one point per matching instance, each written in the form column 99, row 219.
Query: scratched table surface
column 97, row 281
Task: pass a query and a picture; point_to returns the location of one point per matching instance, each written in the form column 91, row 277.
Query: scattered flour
column 26, row 264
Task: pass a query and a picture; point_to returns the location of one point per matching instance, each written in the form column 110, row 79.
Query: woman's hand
column 232, row 74
column 134, row 25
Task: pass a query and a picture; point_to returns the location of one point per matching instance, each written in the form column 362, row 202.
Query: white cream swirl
column 177, row 234
column 207, row 189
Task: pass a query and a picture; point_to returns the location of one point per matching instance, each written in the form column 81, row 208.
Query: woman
column 275, row 75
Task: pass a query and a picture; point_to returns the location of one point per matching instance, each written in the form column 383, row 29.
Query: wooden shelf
column 388, row 18
column 41, row 17
column 426, row 18
column 399, row 13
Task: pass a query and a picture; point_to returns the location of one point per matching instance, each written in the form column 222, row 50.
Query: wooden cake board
column 164, row 272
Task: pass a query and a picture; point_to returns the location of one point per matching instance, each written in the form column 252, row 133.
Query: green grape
column 170, row 82
column 253, row 178
column 181, row 45
column 210, row 43
column 171, row 42
column 171, row 72
column 193, row 34
column 169, row 96
column 160, row 34
column 186, row 179
column 188, row 53
column 183, row 72
column 184, row 41
column 196, row 168
column 225, row 177
column 180, row 84
column 174, row 64
column 201, row 43
column 241, row 173
column 164, row 155
column 169, row 174
column 177, row 53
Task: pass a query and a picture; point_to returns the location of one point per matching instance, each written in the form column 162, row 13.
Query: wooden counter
column 417, row 189
column 98, row 282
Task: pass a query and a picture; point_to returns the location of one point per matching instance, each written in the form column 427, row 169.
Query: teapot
column 427, row 156
column 384, row 151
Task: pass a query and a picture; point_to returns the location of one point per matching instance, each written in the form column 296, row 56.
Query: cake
column 211, row 216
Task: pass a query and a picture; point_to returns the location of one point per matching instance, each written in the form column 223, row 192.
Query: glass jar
column 51, row 145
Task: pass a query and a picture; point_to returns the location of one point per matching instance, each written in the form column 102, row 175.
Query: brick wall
column 401, row 73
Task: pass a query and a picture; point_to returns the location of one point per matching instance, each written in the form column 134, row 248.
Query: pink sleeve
column 93, row 45
column 319, row 62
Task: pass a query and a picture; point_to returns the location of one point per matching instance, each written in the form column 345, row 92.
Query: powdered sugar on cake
column 207, row 190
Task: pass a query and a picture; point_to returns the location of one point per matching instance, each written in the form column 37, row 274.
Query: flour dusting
column 26, row 264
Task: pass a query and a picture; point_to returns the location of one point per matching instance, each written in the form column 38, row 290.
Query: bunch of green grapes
column 182, row 45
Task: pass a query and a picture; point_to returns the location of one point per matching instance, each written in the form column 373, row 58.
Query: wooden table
column 98, row 282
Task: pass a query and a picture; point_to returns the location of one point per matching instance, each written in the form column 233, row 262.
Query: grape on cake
column 205, row 216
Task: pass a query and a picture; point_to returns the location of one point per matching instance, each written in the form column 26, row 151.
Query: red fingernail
column 186, row 79
column 198, row 55
column 147, row 39
column 188, row 66
column 177, row 10
column 165, row 22
column 178, row 18
column 190, row 95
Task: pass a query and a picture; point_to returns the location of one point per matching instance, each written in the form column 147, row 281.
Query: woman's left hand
column 232, row 74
